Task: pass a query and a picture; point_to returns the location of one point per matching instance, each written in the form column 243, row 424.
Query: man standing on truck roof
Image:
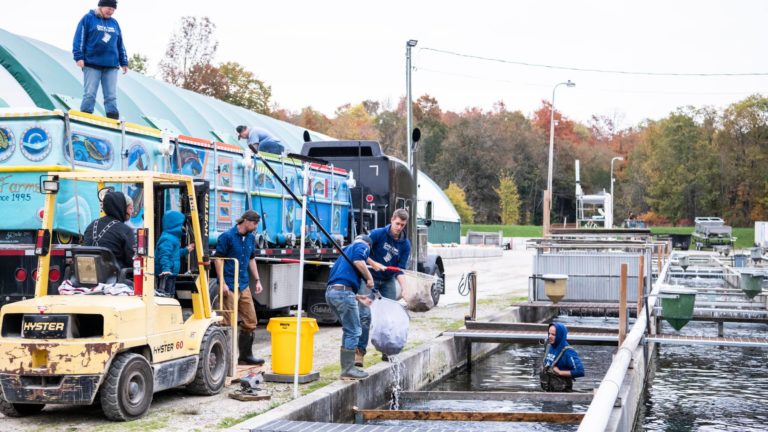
column 240, row 243
column 263, row 140
column 99, row 51
column 390, row 248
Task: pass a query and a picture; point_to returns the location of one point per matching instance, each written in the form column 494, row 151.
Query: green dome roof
column 49, row 76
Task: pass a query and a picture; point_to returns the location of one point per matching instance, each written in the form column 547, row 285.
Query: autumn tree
column 391, row 125
column 207, row 79
column 509, row 200
column 244, row 89
column 428, row 117
column 458, row 198
column 471, row 159
column 353, row 122
column 138, row 63
column 191, row 45
column 311, row 119
column 742, row 146
column 680, row 167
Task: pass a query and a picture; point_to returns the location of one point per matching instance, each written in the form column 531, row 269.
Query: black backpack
column 551, row 381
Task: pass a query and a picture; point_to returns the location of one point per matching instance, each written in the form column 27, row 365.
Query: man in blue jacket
column 343, row 295
column 240, row 243
column 168, row 253
column 560, row 359
column 99, row 51
column 390, row 248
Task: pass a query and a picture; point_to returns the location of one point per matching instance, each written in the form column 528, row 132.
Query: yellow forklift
column 71, row 349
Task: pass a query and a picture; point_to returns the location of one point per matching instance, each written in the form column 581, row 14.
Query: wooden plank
column 498, row 396
column 548, row 417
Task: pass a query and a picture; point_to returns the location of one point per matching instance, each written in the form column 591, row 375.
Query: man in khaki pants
column 239, row 243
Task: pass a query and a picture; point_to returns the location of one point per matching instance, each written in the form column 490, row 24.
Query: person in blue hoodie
column 390, row 248
column 346, row 297
column 168, row 253
column 561, row 362
column 99, row 51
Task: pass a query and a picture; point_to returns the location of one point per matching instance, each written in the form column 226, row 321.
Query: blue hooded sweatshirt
column 390, row 252
column 169, row 252
column 99, row 42
column 570, row 360
column 342, row 272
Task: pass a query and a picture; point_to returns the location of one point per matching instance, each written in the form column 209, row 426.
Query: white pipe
column 306, row 183
column 599, row 412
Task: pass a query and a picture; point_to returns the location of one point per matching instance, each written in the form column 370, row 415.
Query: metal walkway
column 711, row 314
column 669, row 339
column 298, row 426
column 532, row 333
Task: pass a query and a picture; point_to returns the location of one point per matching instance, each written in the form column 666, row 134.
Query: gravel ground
column 501, row 281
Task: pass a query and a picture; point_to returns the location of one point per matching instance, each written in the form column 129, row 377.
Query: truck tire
column 213, row 293
column 127, row 391
column 17, row 409
column 437, row 287
column 212, row 364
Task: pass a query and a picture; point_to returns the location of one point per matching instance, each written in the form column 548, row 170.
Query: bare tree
column 192, row 45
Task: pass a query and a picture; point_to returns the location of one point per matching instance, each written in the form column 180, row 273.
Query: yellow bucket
column 283, row 331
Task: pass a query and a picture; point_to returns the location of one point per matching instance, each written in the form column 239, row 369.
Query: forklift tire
column 127, row 391
column 18, row 410
column 212, row 365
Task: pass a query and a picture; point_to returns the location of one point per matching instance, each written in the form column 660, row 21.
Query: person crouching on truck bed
column 343, row 295
column 263, row 140
column 111, row 232
column 390, row 248
column 561, row 362
column 168, row 253
column 240, row 243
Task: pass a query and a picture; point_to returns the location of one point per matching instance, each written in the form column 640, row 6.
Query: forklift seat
column 95, row 265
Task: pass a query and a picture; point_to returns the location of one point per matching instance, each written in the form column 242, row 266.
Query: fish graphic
column 4, row 141
column 97, row 150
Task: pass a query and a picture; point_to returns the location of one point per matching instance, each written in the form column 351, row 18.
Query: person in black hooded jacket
column 111, row 232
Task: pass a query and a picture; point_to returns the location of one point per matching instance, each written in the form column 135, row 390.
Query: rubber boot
column 245, row 344
column 348, row 369
column 359, row 357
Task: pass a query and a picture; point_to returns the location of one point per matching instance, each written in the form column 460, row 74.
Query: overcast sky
column 327, row 53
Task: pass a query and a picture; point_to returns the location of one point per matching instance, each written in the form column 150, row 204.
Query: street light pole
column 548, row 193
column 408, row 104
column 569, row 83
column 614, row 159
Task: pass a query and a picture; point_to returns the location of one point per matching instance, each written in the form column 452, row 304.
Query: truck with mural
column 36, row 142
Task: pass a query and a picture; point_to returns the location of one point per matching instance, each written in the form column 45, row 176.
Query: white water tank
column 761, row 234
